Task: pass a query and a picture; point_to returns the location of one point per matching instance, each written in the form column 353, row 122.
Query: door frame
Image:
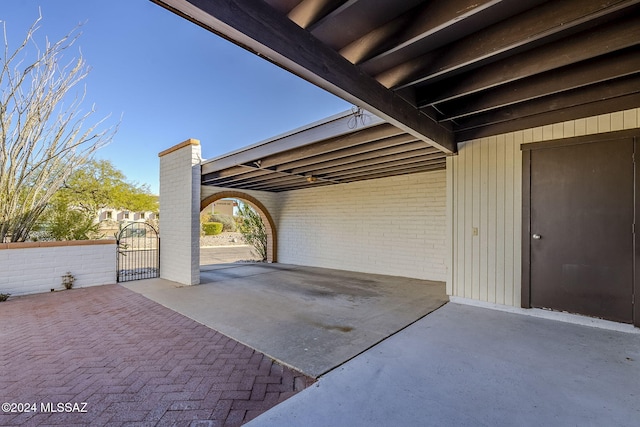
column 526, row 209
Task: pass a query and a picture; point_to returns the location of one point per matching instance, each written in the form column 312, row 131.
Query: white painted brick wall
column 179, row 215
column 394, row 226
column 40, row 269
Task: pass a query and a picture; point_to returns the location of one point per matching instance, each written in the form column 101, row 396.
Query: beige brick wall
column 392, row 226
column 180, row 213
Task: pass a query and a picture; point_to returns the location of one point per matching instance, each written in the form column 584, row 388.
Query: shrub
column 63, row 222
column 67, row 280
column 228, row 223
column 212, row 228
column 253, row 230
column 4, row 297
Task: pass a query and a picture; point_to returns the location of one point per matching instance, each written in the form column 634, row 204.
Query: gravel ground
column 225, row 238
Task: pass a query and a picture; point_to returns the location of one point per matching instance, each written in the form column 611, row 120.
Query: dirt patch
column 226, row 238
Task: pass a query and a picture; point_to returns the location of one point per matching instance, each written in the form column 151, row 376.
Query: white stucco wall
column 29, row 268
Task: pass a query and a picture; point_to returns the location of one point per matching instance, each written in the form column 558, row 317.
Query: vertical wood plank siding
column 484, row 191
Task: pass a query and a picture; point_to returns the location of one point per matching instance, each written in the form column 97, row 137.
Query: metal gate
column 138, row 252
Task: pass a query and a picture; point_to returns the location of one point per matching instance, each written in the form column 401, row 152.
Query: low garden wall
column 33, row 267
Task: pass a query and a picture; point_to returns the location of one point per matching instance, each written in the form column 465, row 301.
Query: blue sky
column 170, row 80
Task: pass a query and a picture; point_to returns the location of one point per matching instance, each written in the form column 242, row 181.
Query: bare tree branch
column 42, row 139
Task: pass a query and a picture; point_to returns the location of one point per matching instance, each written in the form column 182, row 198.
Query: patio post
column 180, row 212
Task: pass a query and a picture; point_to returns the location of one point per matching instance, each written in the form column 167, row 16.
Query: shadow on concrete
column 469, row 366
column 313, row 319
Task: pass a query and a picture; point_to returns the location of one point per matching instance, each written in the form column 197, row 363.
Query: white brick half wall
column 394, row 226
column 29, row 268
column 180, row 213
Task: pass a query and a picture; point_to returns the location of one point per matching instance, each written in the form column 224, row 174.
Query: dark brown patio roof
column 446, row 71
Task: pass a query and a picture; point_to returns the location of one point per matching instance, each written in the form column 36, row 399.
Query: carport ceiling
column 446, row 71
column 348, row 147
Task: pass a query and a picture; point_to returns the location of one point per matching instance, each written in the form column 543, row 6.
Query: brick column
column 180, row 213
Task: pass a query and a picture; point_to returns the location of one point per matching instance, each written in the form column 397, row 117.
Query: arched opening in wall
column 223, row 242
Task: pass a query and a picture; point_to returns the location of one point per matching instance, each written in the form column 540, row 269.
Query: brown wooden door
column 582, row 212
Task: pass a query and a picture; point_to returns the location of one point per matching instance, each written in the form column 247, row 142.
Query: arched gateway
column 272, row 252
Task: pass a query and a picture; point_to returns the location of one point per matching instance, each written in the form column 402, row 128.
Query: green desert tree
column 73, row 210
column 63, row 222
column 99, row 184
column 44, row 132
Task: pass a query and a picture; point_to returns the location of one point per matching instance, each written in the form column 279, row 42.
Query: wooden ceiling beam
column 258, row 27
column 334, row 127
column 372, row 162
column 328, row 175
column 269, row 175
column 274, row 180
column 604, row 68
column 364, row 47
column 281, row 182
column 290, row 187
column 307, row 12
column 232, row 171
column 353, row 139
column 358, row 142
column 411, row 29
column 387, row 166
column 395, row 172
column 327, row 17
column 229, row 173
column 360, row 17
column 239, row 178
column 579, row 47
column 557, row 116
column 582, row 96
column 538, row 25
column 367, row 152
column 401, row 158
column 264, row 178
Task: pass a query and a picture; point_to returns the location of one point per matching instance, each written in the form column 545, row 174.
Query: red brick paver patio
column 133, row 361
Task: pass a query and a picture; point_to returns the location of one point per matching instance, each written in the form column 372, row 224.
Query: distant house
column 110, row 214
column 223, row 207
column 111, row 220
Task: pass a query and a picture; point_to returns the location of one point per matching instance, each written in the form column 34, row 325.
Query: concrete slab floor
column 214, row 255
column 309, row 318
column 469, row 366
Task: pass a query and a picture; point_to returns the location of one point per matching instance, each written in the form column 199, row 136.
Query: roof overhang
column 439, row 71
column 348, row 147
column 258, row 27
